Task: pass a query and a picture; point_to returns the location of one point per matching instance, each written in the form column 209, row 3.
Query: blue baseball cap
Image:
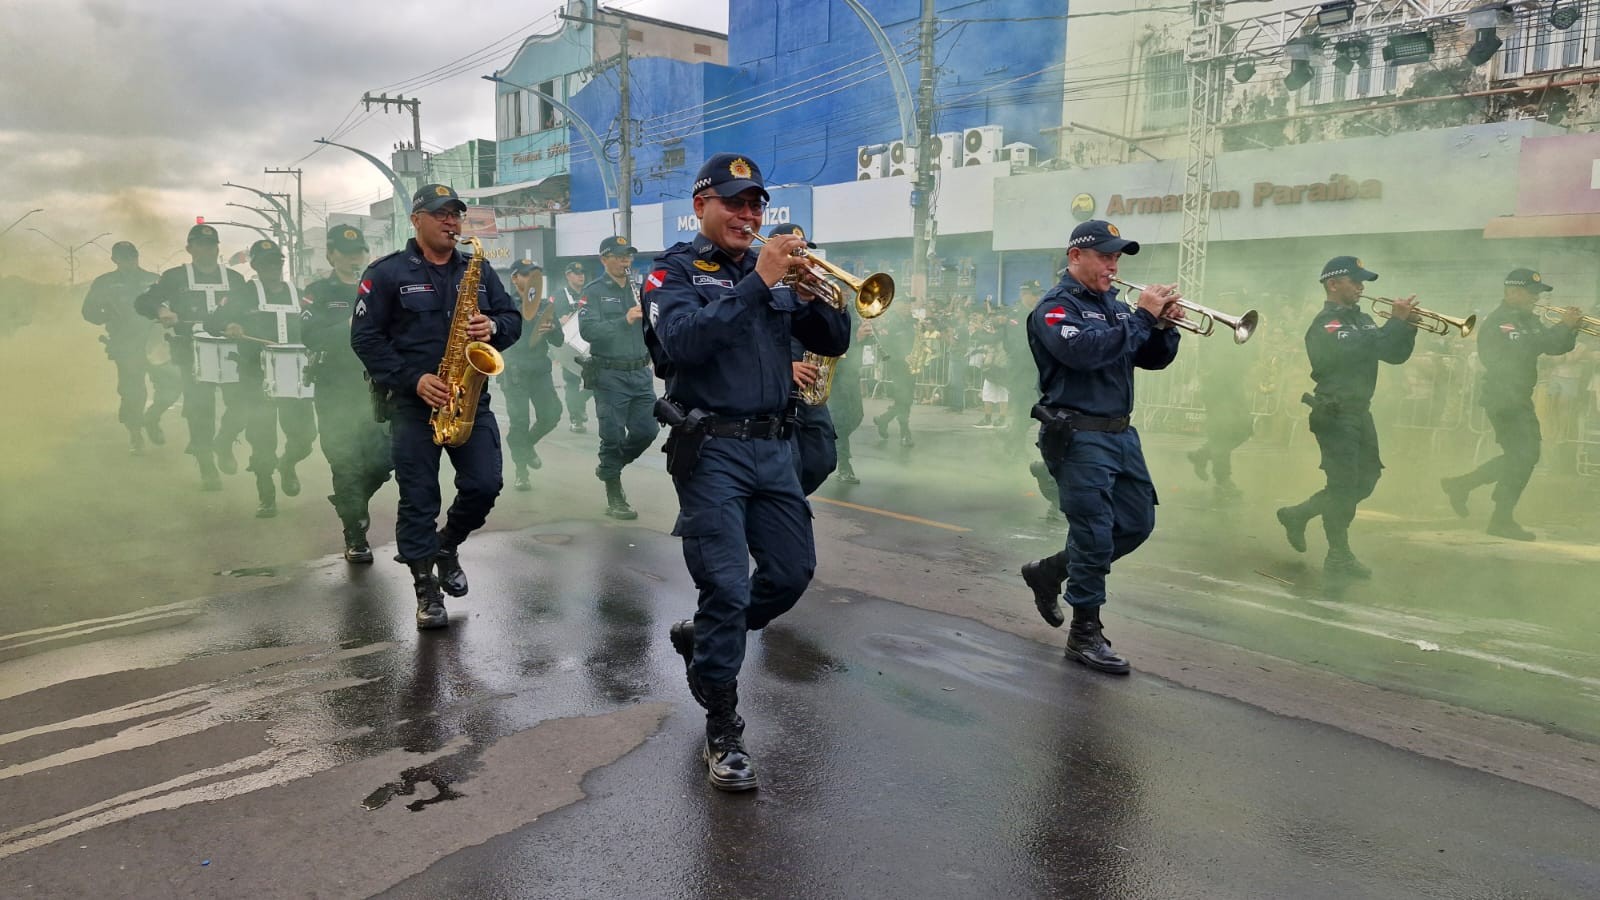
column 1098, row 234
column 616, row 246
column 1347, row 265
column 1529, row 279
column 791, row 228
column 432, row 197
column 730, row 174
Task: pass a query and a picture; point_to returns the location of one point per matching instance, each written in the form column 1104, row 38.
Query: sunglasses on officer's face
column 738, row 205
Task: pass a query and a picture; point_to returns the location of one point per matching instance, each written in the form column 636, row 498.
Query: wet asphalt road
column 300, row 738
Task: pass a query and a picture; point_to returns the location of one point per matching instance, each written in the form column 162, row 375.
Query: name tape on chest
column 708, row 281
column 416, row 289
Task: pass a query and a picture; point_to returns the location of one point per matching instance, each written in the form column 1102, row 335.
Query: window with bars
column 1534, row 45
column 1166, row 86
column 1362, row 81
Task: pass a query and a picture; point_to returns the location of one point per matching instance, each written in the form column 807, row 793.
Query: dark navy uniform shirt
column 325, row 314
column 110, row 303
column 1346, row 345
column 532, row 354
column 720, row 336
column 1510, row 342
column 603, row 321
column 1087, row 344
column 404, row 306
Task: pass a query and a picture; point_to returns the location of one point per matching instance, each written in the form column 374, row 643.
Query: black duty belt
column 1081, row 422
column 753, row 429
column 622, row 365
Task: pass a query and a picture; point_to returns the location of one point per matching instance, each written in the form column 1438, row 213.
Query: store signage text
column 1338, row 188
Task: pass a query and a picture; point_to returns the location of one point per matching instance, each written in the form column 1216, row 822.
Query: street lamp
column 277, row 226
column 20, row 218
column 72, row 252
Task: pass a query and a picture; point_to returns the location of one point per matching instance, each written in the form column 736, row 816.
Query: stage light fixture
column 1339, row 12
column 1564, row 17
column 1244, row 71
column 1408, row 49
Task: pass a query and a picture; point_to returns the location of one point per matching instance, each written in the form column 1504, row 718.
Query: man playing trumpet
column 1086, row 344
column 1509, row 346
column 1346, row 345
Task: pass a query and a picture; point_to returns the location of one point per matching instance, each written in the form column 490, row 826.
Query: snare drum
column 216, row 360
column 285, row 368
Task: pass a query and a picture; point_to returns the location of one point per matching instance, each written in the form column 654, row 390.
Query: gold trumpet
column 873, row 293
column 1552, row 315
column 1242, row 326
column 1427, row 319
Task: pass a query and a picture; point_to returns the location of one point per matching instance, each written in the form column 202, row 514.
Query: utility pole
column 922, row 191
column 624, row 123
column 399, row 100
column 299, row 214
column 71, row 252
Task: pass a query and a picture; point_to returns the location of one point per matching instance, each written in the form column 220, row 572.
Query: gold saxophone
column 466, row 363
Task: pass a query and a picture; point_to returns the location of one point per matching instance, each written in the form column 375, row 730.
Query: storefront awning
column 485, row 193
column 1577, row 225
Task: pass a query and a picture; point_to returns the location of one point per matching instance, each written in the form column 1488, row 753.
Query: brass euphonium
column 816, row 276
column 466, row 363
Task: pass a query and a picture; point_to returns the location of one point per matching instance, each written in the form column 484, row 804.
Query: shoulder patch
column 707, row 265
column 365, row 288
column 1055, row 316
column 658, row 278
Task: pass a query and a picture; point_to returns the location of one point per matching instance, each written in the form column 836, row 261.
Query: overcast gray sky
column 127, row 116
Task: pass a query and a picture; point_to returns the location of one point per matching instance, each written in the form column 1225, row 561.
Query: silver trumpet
column 1243, row 326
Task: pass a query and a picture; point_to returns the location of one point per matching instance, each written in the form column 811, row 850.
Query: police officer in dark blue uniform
column 573, row 392
column 719, row 334
column 612, row 321
column 1346, row 345
column 181, row 299
column 355, row 443
column 529, row 381
column 1510, row 342
column 404, row 307
column 127, row 339
column 846, row 411
column 266, row 313
column 1086, row 344
column 816, row 450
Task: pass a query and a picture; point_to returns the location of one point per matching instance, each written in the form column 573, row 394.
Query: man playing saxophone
column 405, row 307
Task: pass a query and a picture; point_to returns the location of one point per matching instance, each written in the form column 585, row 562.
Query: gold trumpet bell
column 874, row 295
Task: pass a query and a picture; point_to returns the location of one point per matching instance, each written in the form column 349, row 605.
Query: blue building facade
column 805, row 87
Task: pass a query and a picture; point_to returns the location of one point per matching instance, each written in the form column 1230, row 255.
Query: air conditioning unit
column 1020, row 155
column 902, row 159
column 946, row 150
column 870, row 165
column 981, row 146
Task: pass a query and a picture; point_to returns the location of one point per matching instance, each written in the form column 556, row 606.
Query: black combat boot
column 1086, row 643
column 1044, row 576
column 846, row 474
column 430, row 602
column 1501, row 524
column 682, row 636
column 522, row 483
column 1458, row 494
column 152, row 427
column 451, row 576
column 728, row 766
column 1294, row 527
column 617, row 502
column 209, row 480
column 1342, row 565
column 267, row 495
column 289, row 478
column 1199, row 459
column 356, row 549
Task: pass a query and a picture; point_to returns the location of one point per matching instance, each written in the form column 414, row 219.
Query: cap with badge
column 576, row 268
column 729, row 174
column 1349, row 266
column 265, row 249
column 793, row 229
column 1097, row 234
column 617, row 246
column 434, row 197
column 345, row 239
column 203, row 234
column 1529, row 280
column 524, row 266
